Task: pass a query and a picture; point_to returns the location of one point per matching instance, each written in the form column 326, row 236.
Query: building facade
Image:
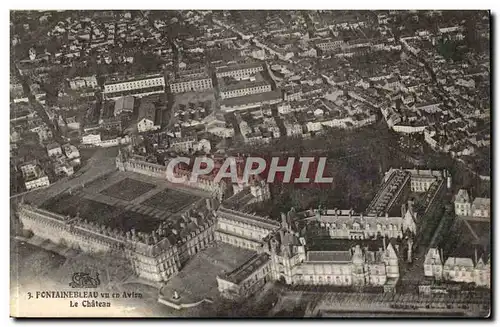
column 155, row 256
column 245, row 88
column 477, row 209
column 239, row 71
column 139, row 87
column 191, row 84
column 458, row 268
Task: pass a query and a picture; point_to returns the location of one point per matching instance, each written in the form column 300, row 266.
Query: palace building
column 317, row 246
column 155, row 256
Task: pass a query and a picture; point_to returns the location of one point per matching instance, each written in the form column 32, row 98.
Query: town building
column 239, row 71
column 148, row 118
column 63, row 168
column 35, row 178
column 193, row 84
column 477, row 209
column 139, row 86
column 91, row 138
column 329, row 45
column 71, row 151
column 54, row 150
column 232, row 89
column 458, row 267
column 190, row 80
column 251, row 101
column 124, row 105
column 77, row 83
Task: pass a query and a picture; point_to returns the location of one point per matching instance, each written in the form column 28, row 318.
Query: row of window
column 329, row 280
column 238, row 230
column 329, row 46
column 238, row 242
column 135, row 92
column 191, row 86
column 241, row 72
column 225, row 225
column 134, row 85
column 247, row 91
column 367, row 226
column 196, row 82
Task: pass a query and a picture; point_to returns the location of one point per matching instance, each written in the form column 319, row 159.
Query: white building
column 191, row 84
column 91, row 138
column 433, row 264
column 251, row 101
column 35, row 178
column 147, row 121
column 190, row 80
column 29, row 168
column 83, row 82
column 244, row 88
column 327, row 45
column 239, row 71
column 479, row 208
column 54, row 150
column 71, row 151
column 459, row 269
column 140, row 86
column 42, row 181
column 63, row 168
column 124, row 104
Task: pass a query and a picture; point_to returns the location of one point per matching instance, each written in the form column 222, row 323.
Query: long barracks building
column 139, row 86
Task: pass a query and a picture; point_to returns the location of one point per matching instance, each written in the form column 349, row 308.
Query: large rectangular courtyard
column 170, row 200
column 102, row 213
column 128, row 189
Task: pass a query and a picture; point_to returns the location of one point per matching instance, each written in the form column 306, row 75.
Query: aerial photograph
column 250, row 163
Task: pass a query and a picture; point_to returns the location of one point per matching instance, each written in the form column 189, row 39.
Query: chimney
column 403, row 210
column 475, row 255
column 383, row 241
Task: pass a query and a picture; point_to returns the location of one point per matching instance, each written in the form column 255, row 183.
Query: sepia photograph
column 283, row 164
